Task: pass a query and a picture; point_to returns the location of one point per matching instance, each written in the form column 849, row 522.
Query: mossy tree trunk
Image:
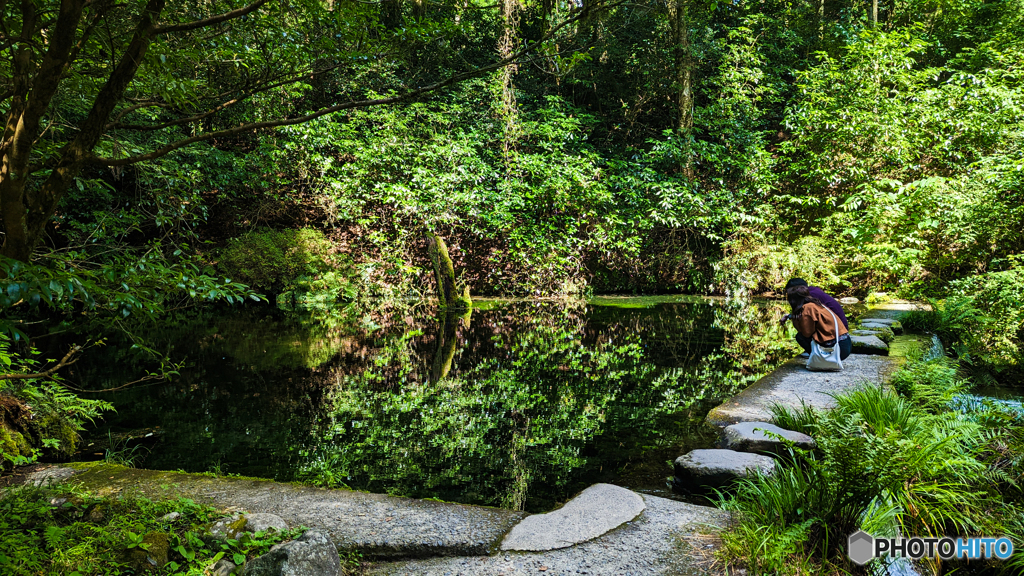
column 448, row 295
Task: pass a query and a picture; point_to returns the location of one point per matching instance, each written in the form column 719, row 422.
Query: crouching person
column 815, row 321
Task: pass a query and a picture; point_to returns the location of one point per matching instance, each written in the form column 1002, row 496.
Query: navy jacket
column 830, row 303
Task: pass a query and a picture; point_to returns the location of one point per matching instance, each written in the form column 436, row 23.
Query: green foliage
column 887, row 463
column 38, row 415
column 982, row 321
column 64, row 531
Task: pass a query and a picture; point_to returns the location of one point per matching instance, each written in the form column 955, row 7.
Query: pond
column 518, row 404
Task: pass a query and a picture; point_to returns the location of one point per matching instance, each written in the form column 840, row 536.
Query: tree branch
column 207, row 113
column 410, row 95
column 66, row 361
column 186, row 26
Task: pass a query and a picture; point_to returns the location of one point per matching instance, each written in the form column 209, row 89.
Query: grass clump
column 892, row 462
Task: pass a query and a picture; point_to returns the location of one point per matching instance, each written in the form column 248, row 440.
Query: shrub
column 301, row 265
column 982, row 321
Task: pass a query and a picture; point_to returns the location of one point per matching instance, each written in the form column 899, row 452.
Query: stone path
column 792, row 383
column 606, row 530
column 669, row 538
column 598, row 509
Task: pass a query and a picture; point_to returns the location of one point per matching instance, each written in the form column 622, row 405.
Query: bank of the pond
column 899, row 437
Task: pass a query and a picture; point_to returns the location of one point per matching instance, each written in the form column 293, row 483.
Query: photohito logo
column 863, row 547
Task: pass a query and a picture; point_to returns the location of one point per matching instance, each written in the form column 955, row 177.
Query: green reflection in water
column 518, row 405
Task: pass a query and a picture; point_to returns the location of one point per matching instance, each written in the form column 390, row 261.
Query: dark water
column 519, row 404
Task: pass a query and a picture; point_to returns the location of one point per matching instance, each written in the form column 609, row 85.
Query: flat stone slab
column 763, row 437
column 881, row 332
column 378, row 525
column 717, row 467
column 595, row 511
column 792, row 383
column 669, row 538
column 868, row 345
column 877, row 320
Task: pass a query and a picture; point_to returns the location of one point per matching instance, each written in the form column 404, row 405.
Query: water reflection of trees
column 543, row 399
column 518, row 405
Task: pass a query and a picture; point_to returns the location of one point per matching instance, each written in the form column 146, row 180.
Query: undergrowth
column 888, row 461
column 61, row 530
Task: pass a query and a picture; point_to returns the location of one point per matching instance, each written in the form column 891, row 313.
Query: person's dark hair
column 793, row 282
column 798, row 296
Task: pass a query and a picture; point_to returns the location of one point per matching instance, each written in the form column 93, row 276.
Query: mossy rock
column 152, row 555
column 884, row 334
column 869, row 345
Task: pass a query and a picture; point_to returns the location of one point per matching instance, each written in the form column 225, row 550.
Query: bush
column 37, row 415
column 982, row 321
column 86, row 534
column 301, row 265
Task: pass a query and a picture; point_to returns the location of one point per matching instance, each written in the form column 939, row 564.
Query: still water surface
column 519, row 404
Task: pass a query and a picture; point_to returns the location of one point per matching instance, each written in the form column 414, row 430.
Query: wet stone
column 717, row 467
column 869, row 345
column 764, row 437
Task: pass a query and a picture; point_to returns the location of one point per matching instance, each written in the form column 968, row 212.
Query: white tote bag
column 824, row 359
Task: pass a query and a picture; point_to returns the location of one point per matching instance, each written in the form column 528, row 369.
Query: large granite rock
column 763, row 437
column 594, row 512
column 264, row 522
column 313, row 554
column 869, row 345
column 716, row 467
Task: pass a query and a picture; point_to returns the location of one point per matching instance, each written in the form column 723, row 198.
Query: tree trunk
column 682, row 56
column 448, row 295
column 25, row 214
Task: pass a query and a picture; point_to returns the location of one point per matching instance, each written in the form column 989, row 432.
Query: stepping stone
column 763, row 437
column 869, row 345
column 717, row 467
column 596, row 510
column 889, row 323
column 882, row 332
column 879, row 320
